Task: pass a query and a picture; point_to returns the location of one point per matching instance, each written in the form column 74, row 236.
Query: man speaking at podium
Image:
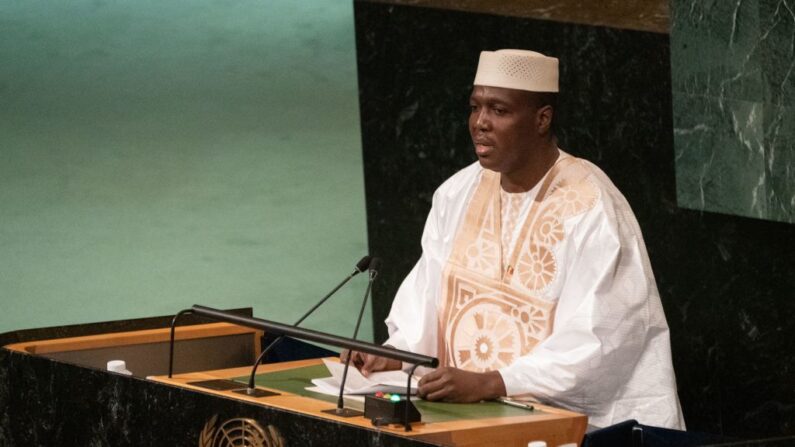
column 534, row 278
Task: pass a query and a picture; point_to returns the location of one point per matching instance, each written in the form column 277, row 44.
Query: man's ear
column 544, row 117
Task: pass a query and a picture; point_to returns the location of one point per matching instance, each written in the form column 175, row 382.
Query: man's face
column 502, row 123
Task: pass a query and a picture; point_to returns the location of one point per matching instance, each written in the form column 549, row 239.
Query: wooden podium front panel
column 555, row 426
column 197, row 347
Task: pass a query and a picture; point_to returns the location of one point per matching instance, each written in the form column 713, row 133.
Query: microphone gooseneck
column 375, row 264
column 361, row 266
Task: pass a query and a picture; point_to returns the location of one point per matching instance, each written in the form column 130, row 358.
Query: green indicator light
column 395, row 398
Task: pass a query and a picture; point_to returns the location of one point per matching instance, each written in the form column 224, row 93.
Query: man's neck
column 525, row 179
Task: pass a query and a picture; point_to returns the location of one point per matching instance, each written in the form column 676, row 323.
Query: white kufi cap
column 518, row 69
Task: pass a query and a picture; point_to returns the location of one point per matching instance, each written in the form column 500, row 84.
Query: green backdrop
column 157, row 154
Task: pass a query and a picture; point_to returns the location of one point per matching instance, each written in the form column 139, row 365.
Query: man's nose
column 481, row 121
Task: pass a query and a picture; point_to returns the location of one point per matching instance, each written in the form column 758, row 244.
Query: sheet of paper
column 356, row 383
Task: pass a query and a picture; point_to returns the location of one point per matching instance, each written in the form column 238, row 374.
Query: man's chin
column 487, row 163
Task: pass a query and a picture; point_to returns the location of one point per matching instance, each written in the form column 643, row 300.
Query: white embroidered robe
column 570, row 316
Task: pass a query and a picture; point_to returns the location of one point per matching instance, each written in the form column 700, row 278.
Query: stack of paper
column 356, row 383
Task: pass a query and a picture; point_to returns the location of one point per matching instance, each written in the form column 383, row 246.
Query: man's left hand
column 457, row 385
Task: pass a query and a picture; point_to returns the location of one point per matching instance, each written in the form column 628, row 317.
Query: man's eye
column 473, row 108
column 499, row 112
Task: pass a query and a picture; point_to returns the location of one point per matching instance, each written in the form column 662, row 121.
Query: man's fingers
column 346, row 352
column 439, row 395
column 430, row 377
column 358, row 359
column 369, row 364
column 455, row 385
column 430, row 387
column 431, row 382
column 375, row 363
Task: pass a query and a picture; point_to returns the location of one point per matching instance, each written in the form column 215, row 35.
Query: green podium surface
column 296, row 381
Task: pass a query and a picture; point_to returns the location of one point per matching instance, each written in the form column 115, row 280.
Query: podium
column 55, row 391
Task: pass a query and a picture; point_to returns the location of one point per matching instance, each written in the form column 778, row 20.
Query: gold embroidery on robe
column 490, row 315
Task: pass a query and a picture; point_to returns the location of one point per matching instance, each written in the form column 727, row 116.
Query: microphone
column 252, row 390
column 362, row 265
column 375, row 265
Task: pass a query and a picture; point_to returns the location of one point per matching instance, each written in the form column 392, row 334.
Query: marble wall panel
column 720, row 156
column 780, row 161
column 732, row 77
column 725, row 281
column 777, row 50
column 723, row 61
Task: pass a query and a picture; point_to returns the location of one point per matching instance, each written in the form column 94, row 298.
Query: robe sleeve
column 601, row 324
column 412, row 321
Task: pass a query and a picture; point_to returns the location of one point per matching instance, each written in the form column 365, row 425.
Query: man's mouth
column 483, row 148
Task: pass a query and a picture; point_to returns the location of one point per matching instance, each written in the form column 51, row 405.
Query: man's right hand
column 368, row 363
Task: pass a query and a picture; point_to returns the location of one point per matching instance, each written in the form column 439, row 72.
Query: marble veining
column 732, row 65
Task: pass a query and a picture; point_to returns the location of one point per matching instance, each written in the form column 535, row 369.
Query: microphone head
column 375, row 264
column 363, row 263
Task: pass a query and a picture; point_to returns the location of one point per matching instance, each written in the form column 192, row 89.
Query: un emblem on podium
column 239, row 432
